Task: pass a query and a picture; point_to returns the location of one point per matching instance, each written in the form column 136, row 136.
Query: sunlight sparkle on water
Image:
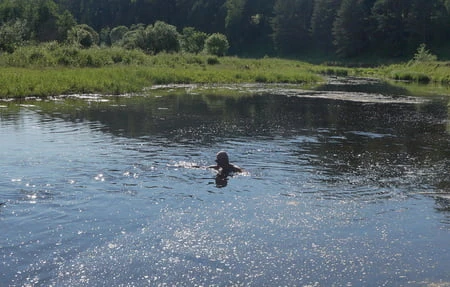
column 339, row 190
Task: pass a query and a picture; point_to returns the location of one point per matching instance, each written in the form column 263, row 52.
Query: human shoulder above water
column 223, row 164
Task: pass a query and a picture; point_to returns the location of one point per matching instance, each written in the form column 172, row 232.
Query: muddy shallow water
column 340, row 189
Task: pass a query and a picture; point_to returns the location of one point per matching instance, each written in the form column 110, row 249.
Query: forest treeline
column 388, row 28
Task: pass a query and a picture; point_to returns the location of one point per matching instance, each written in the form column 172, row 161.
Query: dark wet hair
column 222, row 157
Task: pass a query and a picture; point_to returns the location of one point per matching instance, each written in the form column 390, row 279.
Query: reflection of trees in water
column 385, row 145
column 248, row 115
column 448, row 119
column 9, row 113
column 362, row 85
column 443, row 202
column 385, row 141
column 187, row 116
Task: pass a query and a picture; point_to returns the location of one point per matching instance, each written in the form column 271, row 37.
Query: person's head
column 222, row 158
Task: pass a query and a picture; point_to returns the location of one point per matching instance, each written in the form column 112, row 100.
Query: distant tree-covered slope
column 253, row 27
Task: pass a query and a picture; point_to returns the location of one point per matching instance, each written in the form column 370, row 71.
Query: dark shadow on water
column 221, row 181
column 372, row 143
column 362, row 85
column 443, row 203
column 201, row 119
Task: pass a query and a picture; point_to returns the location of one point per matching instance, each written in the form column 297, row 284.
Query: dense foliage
column 250, row 27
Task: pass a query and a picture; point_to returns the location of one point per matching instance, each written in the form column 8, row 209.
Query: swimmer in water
column 224, row 167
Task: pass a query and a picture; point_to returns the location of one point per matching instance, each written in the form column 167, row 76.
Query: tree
column 322, row 19
column 423, row 55
column 390, row 33
column 217, row 44
column 136, row 38
column 163, row 37
column 204, row 15
column 44, row 18
column 157, row 38
column 252, row 27
column 427, row 22
column 192, row 41
column 291, row 24
column 166, row 10
column 105, row 39
column 350, row 37
column 117, row 33
column 235, row 21
column 64, row 23
column 257, row 36
column 10, row 11
column 83, row 36
column 12, row 35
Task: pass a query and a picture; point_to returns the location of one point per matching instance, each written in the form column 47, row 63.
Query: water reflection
column 381, row 142
column 385, row 143
column 338, row 192
column 364, row 85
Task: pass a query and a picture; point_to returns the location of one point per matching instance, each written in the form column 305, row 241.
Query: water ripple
column 118, row 193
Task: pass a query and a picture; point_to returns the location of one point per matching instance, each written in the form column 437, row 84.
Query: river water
column 340, row 189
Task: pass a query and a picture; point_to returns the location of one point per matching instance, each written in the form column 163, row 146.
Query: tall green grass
column 21, row 82
column 424, row 73
column 51, row 69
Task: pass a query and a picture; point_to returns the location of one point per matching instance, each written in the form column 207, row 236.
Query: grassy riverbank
column 35, row 71
column 51, row 70
column 425, row 73
column 23, row 82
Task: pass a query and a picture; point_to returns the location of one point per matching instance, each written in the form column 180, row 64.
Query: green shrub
column 334, row 72
column 423, row 55
column 411, row 76
column 162, row 37
column 30, row 56
column 67, row 55
column 135, row 39
column 217, row 44
column 12, row 35
column 195, row 60
column 117, row 33
column 213, row 61
column 83, row 36
column 105, row 39
column 192, row 41
column 261, row 78
column 65, row 22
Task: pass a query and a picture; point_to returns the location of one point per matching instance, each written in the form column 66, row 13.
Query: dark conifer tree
column 291, row 24
column 426, row 23
column 350, row 34
column 390, row 19
column 323, row 17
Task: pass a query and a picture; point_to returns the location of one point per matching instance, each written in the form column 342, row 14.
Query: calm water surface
column 338, row 191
